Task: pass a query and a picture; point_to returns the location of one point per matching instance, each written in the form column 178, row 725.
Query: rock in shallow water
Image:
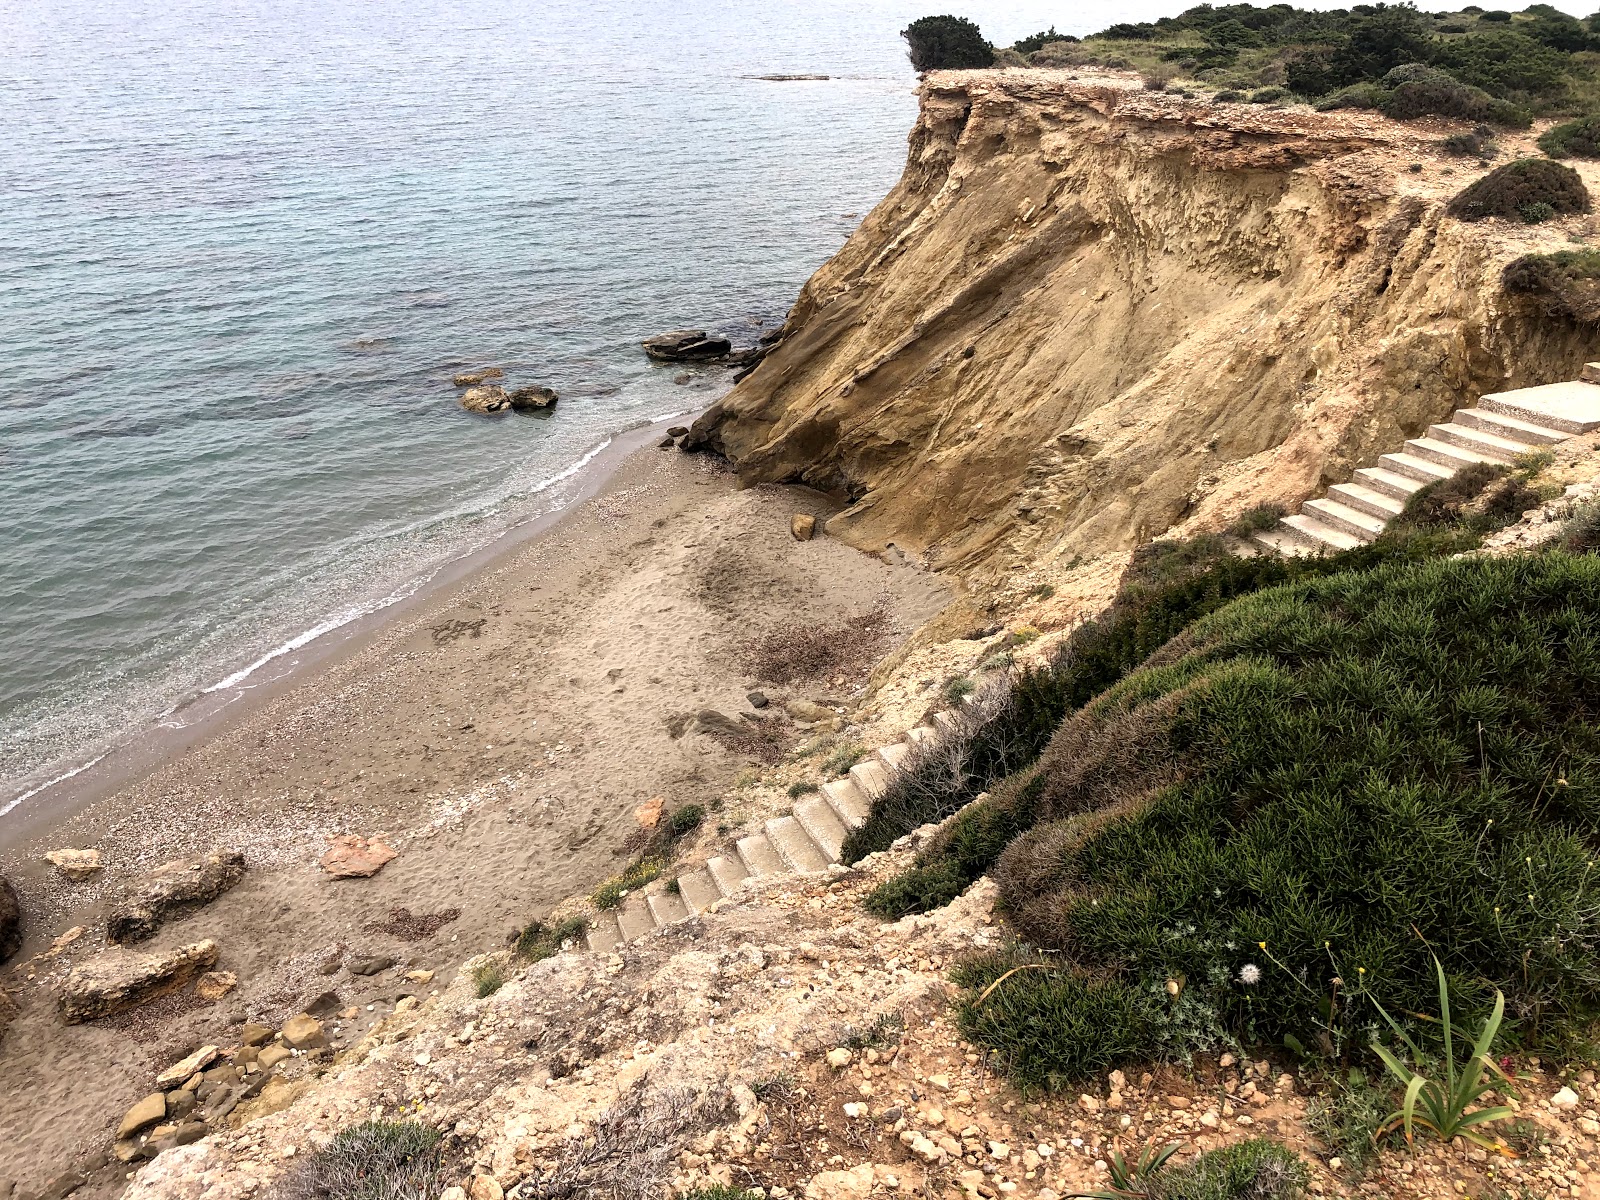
column 473, row 378
column 686, row 345
column 489, row 399
column 116, row 979
column 525, row 398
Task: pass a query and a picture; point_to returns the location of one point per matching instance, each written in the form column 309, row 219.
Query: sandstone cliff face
column 1088, row 313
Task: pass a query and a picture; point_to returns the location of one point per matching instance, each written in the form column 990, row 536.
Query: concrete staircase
column 808, row 841
column 1503, row 426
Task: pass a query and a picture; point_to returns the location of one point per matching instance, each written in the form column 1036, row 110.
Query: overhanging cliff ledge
column 1089, row 312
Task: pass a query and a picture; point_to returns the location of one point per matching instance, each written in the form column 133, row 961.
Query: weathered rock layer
column 1087, row 313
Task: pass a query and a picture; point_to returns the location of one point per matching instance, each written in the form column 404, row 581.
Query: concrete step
column 603, row 933
column 946, row 721
column 1319, row 531
column 1480, row 441
column 1452, row 458
column 871, row 777
column 1511, row 427
column 727, row 873
column 666, row 908
column 634, row 918
column 848, row 801
column 1572, row 407
column 922, row 735
column 698, row 889
column 1368, row 500
column 822, row 824
column 1423, row 469
column 1288, row 541
column 790, row 840
column 1390, row 483
column 894, row 755
column 759, row 858
column 1353, row 521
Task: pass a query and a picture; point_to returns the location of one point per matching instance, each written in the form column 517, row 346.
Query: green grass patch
column 1292, row 803
column 540, row 941
column 803, row 787
column 609, row 894
column 842, row 758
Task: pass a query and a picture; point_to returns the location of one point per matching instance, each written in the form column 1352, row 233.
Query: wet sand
column 502, row 733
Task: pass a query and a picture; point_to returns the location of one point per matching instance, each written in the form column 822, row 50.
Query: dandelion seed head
column 1249, row 974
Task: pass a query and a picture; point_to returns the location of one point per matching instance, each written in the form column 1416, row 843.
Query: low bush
column 946, row 43
column 1441, row 96
column 1581, row 533
column 685, row 820
column 1477, row 144
column 1258, row 1169
column 488, row 978
column 1482, row 497
column 801, row 788
column 1277, row 816
column 1565, row 284
column 1357, row 95
column 540, row 941
column 1229, row 96
column 1270, row 95
column 1574, row 139
column 1346, row 1116
column 1257, row 520
column 377, row 1160
column 610, row 893
column 1505, row 191
column 1039, row 41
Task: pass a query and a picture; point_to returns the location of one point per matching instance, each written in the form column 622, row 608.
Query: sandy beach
column 501, row 735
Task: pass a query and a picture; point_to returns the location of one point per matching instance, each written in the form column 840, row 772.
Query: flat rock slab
column 76, row 865
column 686, row 345
column 170, row 889
column 351, row 857
column 116, row 979
column 1573, row 406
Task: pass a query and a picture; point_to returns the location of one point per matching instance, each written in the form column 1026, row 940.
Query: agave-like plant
column 1128, row 1182
column 1445, row 1104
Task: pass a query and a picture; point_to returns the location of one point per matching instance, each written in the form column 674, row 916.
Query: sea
column 244, row 247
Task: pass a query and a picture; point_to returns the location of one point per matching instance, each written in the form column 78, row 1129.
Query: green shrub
column 1574, row 139
column 843, row 758
column 1290, row 804
column 946, row 44
column 1258, row 1169
column 1496, row 15
column 1229, row 96
column 609, row 894
column 540, row 941
column 918, row 889
column 1507, row 65
column 957, row 689
column 377, row 1160
column 1039, row 41
column 800, row 788
column 1357, row 95
column 1505, row 191
column 715, row 1191
column 685, row 819
column 1565, row 284
column 1347, row 1116
column 488, row 978
column 1440, row 95
column 1581, row 533
column 1477, row 144
column 1270, row 95
column 1257, row 520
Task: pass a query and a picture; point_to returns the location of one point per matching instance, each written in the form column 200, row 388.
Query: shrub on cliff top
column 1297, row 803
column 1508, row 190
column 1575, row 139
column 946, row 44
column 1565, row 284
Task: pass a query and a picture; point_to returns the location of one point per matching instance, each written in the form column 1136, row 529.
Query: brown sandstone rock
column 254, row 1035
column 352, row 857
column 488, row 399
column 473, row 378
column 142, row 1115
column 181, row 1070
column 173, row 888
column 304, row 1032
column 648, row 814
column 803, row 526
column 76, row 865
column 686, row 345
column 214, row 985
column 526, row 398
column 117, row 979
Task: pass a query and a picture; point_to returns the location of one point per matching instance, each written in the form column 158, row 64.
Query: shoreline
column 137, row 752
column 500, row 733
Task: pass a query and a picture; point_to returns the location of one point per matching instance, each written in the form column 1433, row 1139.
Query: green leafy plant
column 843, row 758
column 958, row 689
column 540, row 941
column 1258, row 1169
column 609, row 894
column 946, row 43
column 1446, row 1104
column 685, row 820
column 1128, row 1181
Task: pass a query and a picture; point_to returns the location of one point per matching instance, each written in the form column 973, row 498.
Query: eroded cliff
column 1088, row 313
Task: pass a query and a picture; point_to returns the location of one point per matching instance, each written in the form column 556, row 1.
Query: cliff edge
column 1088, row 313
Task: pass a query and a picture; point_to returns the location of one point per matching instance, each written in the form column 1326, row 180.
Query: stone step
column 603, row 933
column 1390, row 483
column 922, row 735
column 894, row 755
column 849, row 801
column 1423, row 469
column 1288, row 541
column 698, row 889
column 758, row 856
column 871, row 777
column 727, row 873
column 666, row 908
column 1507, row 426
column 1452, row 458
column 1491, row 445
column 789, row 839
column 1319, row 531
column 1353, row 521
column 946, row 721
column 634, row 918
column 1572, row 406
column 822, row 824
column 1368, row 500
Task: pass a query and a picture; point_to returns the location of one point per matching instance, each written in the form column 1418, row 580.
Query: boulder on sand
column 491, row 398
column 172, row 888
column 10, row 922
column 116, row 980
column 526, row 398
column 351, row 857
column 802, row 526
column 686, row 345
column 76, row 865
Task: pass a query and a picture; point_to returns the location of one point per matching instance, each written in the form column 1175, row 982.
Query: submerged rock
column 488, row 399
column 525, row 398
column 10, row 922
column 686, row 345
column 172, row 888
column 116, row 979
column 473, row 378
